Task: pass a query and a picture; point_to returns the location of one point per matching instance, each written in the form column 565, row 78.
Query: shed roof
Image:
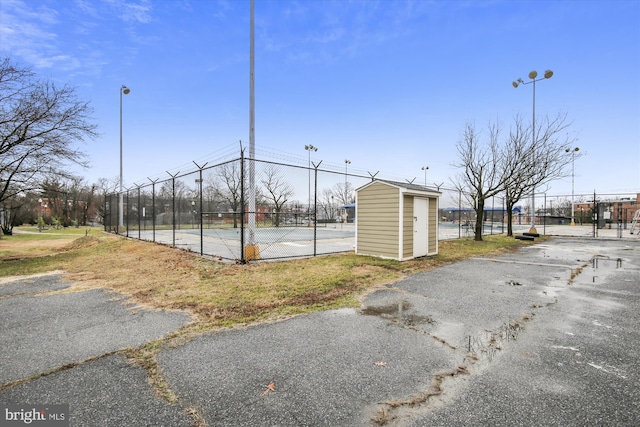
column 407, row 187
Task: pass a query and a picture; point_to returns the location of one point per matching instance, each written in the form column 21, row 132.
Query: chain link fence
column 588, row 215
column 296, row 211
column 607, row 215
column 247, row 210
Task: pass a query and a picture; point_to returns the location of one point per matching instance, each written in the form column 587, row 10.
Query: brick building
column 610, row 211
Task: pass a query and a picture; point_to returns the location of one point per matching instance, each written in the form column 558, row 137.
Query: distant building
column 620, row 210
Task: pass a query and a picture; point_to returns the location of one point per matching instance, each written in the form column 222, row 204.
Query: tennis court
column 272, row 242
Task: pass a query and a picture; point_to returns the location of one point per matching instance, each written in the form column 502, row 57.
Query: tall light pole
column 310, row 148
column 532, row 75
column 251, row 247
column 425, row 169
column 573, row 152
column 123, row 90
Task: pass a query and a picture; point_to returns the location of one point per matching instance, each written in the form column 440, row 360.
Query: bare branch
column 39, row 125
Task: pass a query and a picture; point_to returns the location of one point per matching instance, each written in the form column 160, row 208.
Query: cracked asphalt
column 545, row 336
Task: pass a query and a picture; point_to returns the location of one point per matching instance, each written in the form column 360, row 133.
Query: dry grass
column 218, row 294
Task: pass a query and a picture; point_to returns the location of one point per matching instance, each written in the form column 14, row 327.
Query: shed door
column 420, row 243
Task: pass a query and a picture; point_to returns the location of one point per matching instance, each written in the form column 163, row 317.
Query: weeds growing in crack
column 146, row 358
column 575, row 273
column 53, row 371
column 492, row 341
column 476, row 347
column 443, row 341
column 386, row 413
column 382, row 417
column 196, row 417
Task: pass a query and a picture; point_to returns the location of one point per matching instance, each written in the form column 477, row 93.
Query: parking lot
column 548, row 334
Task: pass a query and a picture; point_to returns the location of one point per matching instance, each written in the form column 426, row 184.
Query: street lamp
column 425, row 169
column 573, row 152
column 125, row 90
column 532, row 75
column 310, row 148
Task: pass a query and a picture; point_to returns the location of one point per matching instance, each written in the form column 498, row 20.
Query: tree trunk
column 509, row 206
column 479, row 220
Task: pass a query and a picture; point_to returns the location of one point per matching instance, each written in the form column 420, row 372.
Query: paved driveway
column 545, row 336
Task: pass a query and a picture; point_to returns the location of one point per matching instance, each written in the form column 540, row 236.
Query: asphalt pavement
column 545, row 336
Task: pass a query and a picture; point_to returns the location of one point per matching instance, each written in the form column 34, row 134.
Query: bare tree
column 343, row 193
column 176, row 198
column 528, row 164
column 39, row 125
column 482, row 178
column 228, row 186
column 278, row 190
column 108, row 186
column 516, row 169
column 327, row 203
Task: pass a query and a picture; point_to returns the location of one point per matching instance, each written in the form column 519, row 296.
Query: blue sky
column 386, row 84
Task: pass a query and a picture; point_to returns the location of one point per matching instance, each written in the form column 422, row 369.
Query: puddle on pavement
column 602, row 266
column 398, row 312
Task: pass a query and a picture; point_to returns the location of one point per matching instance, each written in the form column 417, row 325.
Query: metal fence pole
column 106, row 221
column 199, row 181
column 459, row 214
column 139, row 213
column 544, row 212
column 242, row 258
column 493, row 203
column 153, row 207
column 595, row 218
column 201, row 218
column 173, row 208
column 127, row 214
column 315, row 210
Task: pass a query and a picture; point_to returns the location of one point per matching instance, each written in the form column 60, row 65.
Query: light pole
column 573, row 152
column 425, row 169
column 125, row 90
column 532, row 75
column 310, row 148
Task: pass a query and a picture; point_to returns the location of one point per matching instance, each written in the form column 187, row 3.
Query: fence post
column 107, row 212
column 139, row 214
column 595, row 218
column 493, row 204
column 127, row 214
column 242, row 258
column 459, row 214
column 544, row 212
column 201, row 216
column 315, row 208
column 153, row 206
column 199, row 181
column 173, row 205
